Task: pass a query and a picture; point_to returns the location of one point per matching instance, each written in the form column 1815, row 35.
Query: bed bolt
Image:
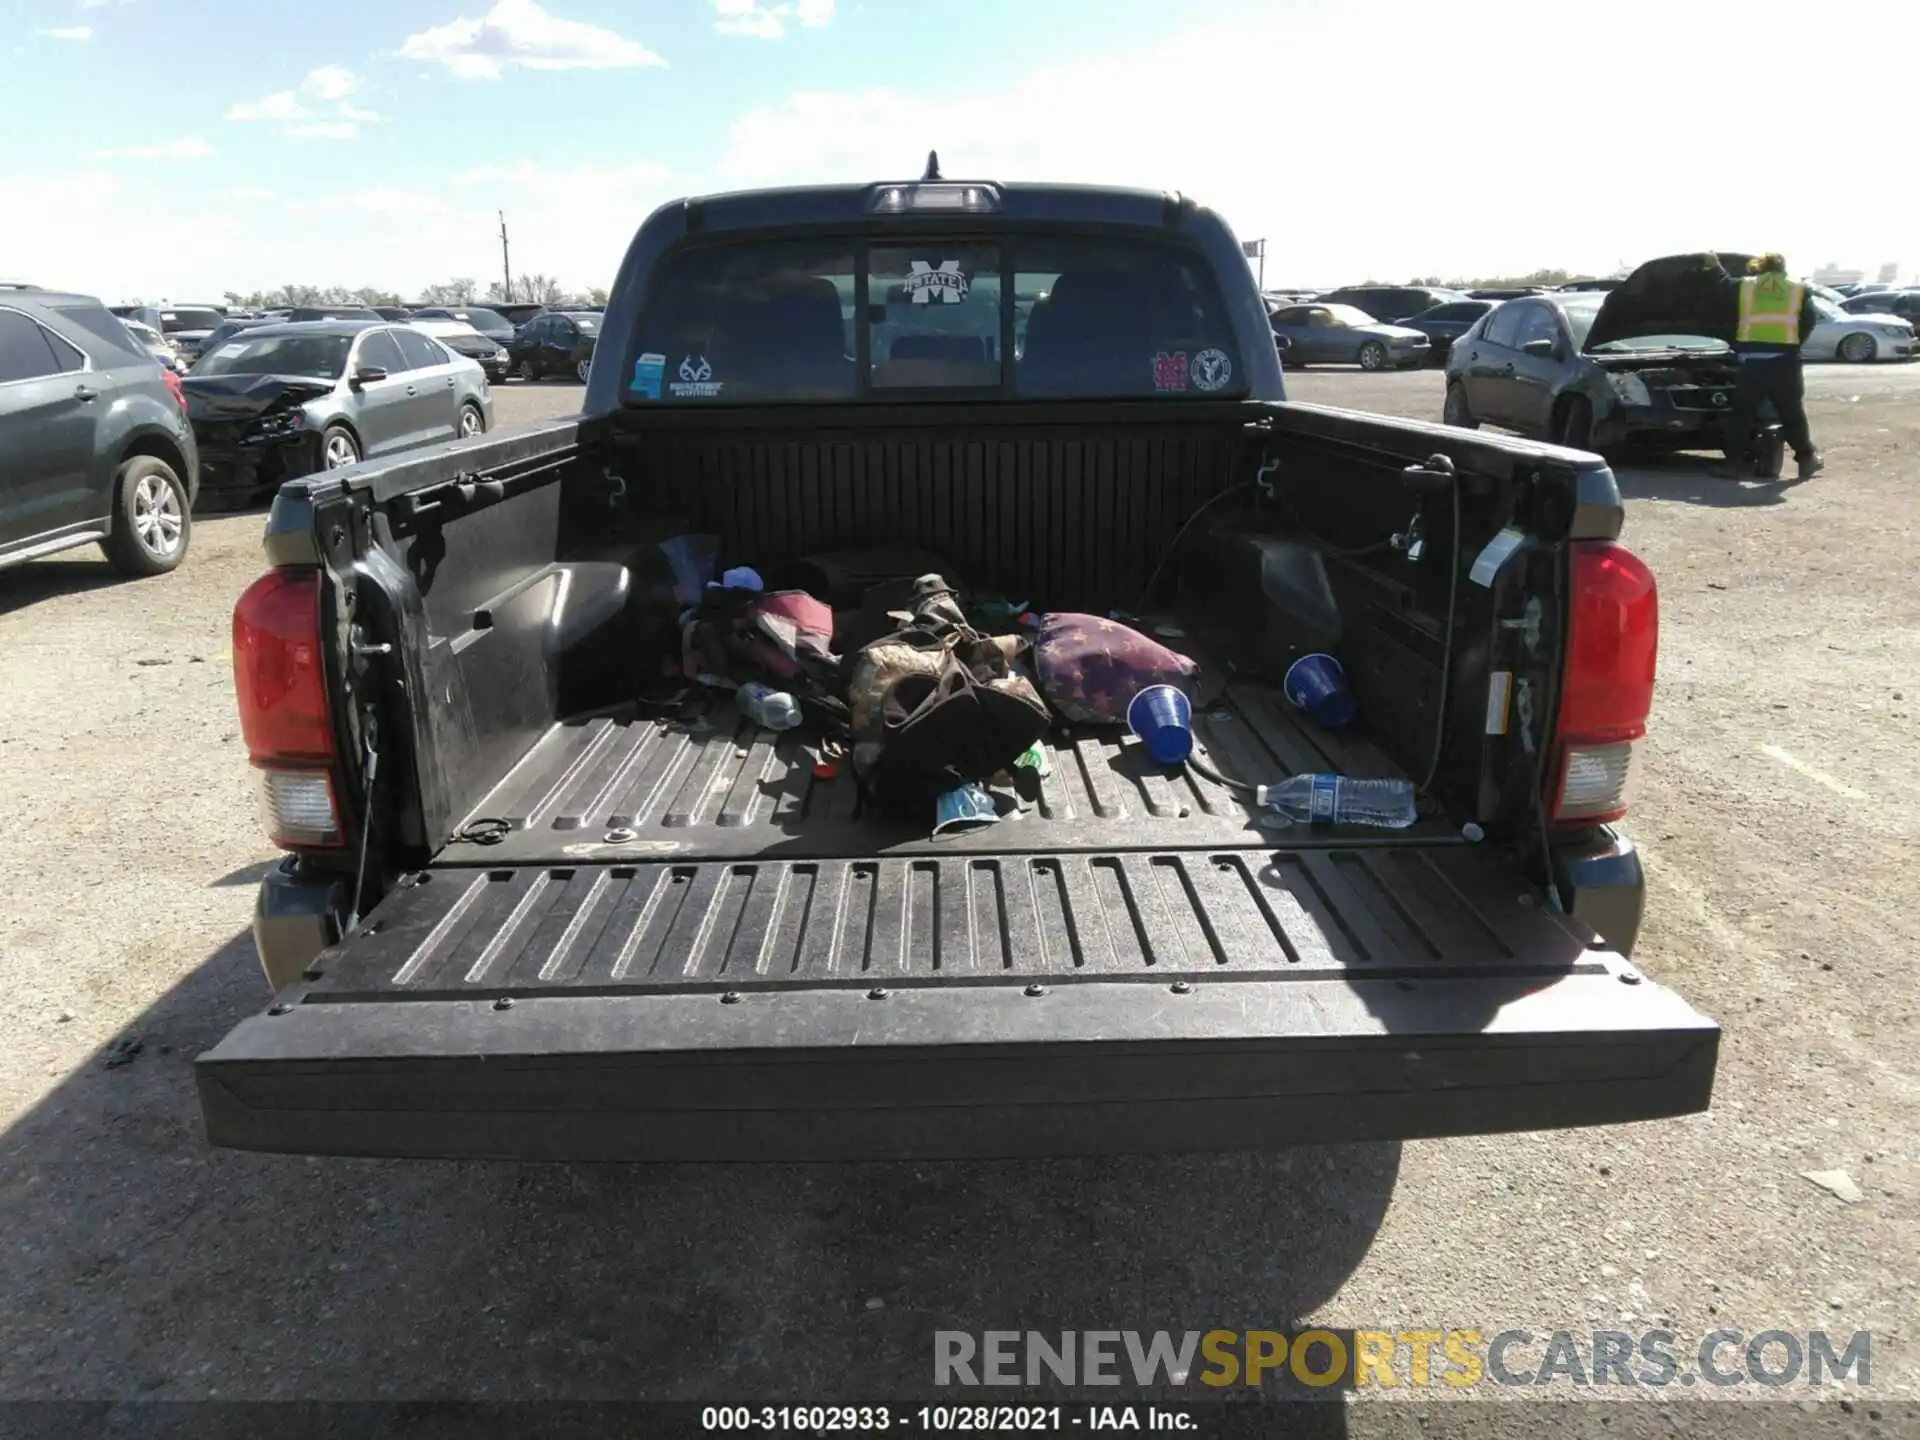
column 337, row 536
column 278, row 1009
column 505, row 1002
column 1181, row 987
column 1629, row 977
column 1036, row 990
column 619, row 835
column 879, row 992
column 732, row 997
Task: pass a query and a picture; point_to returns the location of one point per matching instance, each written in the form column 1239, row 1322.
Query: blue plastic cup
column 1162, row 717
column 1317, row 685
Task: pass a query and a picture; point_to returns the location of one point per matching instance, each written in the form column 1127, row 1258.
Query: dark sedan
column 559, row 342
column 1444, row 324
column 1319, row 334
column 1647, row 364
column 1389, row 303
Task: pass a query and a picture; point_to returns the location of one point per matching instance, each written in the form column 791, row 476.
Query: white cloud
column 758, row 21
column 1387, row 190
column 330, row 82
column 324, row 130
column 519, row 32
column 67, row 32
column 187, row 148
column 317, row 107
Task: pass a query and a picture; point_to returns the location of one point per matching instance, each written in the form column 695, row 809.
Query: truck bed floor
column 618, row 786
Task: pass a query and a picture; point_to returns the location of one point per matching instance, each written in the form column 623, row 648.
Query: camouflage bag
column 936, row 704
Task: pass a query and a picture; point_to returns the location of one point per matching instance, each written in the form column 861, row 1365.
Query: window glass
column 24, row 352
column 105, row 327
column 1107, row 317
column 1505, row 324
column 756, row 321
column 934, row 315
column 323, row 357
column 1537, row 322
column 419, row 352
column 1292, row 315
column 66, row 355
column 189, row 319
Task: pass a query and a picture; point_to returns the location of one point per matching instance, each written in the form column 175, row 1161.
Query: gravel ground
column 1776, row 806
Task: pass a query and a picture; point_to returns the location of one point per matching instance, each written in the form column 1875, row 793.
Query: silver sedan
column 1857, row 338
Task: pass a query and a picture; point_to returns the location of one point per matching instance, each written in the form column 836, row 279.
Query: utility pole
column 506, row 266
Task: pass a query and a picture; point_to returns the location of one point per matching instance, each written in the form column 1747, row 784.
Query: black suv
column 1390, row 303
column 94, row 441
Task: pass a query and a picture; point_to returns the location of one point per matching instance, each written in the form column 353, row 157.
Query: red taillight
column 279, row 680
column 1607, row 689
column 174, row 388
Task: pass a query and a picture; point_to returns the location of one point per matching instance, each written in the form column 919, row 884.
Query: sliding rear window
column 1009, row 317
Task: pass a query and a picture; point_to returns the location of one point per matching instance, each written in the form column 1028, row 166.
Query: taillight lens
column 1607, row 689
column 174, row 388
column 279, row 679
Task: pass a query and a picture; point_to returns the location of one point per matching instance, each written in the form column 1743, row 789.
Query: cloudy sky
column 180, row 148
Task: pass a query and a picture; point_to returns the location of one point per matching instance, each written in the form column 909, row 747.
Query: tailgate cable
column 366, row 822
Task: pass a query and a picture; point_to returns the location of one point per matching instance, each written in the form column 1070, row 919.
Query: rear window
column 189, row 319
column 1005, row 316
column 103, row 325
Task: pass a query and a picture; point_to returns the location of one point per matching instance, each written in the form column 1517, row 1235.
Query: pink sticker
column 1170, row 371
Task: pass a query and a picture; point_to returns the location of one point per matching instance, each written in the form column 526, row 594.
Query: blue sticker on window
column 647, row 371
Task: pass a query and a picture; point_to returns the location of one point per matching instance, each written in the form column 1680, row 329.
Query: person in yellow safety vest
column 1773, row 315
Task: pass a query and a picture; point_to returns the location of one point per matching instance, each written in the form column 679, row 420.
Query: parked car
column 1647, row 363
column 280, row 401
column 1581, row 286
column 559, row 342
column 156, row 345
column 586, row 934
column 1444, row 324
column 1857, row 338
column 463, row 339
column 1390, row 303
column 94, row 436
column 148, row 315
column 1904, row 303
column 227, row 330
column 188, row 326
column 496, row 327
column 1319, row 334
column 307, row 314
column 1506, row 292
column 516, row 313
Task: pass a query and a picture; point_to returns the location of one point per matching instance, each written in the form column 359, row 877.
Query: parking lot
column 1778, row 807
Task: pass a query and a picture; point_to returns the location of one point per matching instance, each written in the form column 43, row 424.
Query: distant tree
column 497, row 293
column 538, row 289
column 596, row 295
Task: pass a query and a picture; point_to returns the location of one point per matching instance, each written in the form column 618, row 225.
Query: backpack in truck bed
column 937, row 704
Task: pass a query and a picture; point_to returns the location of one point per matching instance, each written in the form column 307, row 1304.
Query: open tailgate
column 963, row 1005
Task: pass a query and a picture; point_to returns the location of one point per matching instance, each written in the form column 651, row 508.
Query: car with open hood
column 280, row 401
column 1650, row 362
column 463, row 339
column 1321, row 334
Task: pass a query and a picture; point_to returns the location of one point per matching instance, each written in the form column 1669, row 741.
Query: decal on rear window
column 1170, row 370
column 927, row 282
column 1212, row 370
column 696, row 380
column 647, row 371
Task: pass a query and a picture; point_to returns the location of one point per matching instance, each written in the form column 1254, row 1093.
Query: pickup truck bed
column 694, row 938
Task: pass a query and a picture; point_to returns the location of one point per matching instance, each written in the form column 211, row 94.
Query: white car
column 156, row 345
column 1856, row 338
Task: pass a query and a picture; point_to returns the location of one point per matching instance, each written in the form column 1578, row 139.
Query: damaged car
column 1648, row 365
column 281, row 401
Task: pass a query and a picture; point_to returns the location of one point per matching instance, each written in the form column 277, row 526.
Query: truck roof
column 845, row 204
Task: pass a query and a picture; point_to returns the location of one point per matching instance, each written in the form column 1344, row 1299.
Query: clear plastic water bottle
column 766, row 706
column 1338, row 800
